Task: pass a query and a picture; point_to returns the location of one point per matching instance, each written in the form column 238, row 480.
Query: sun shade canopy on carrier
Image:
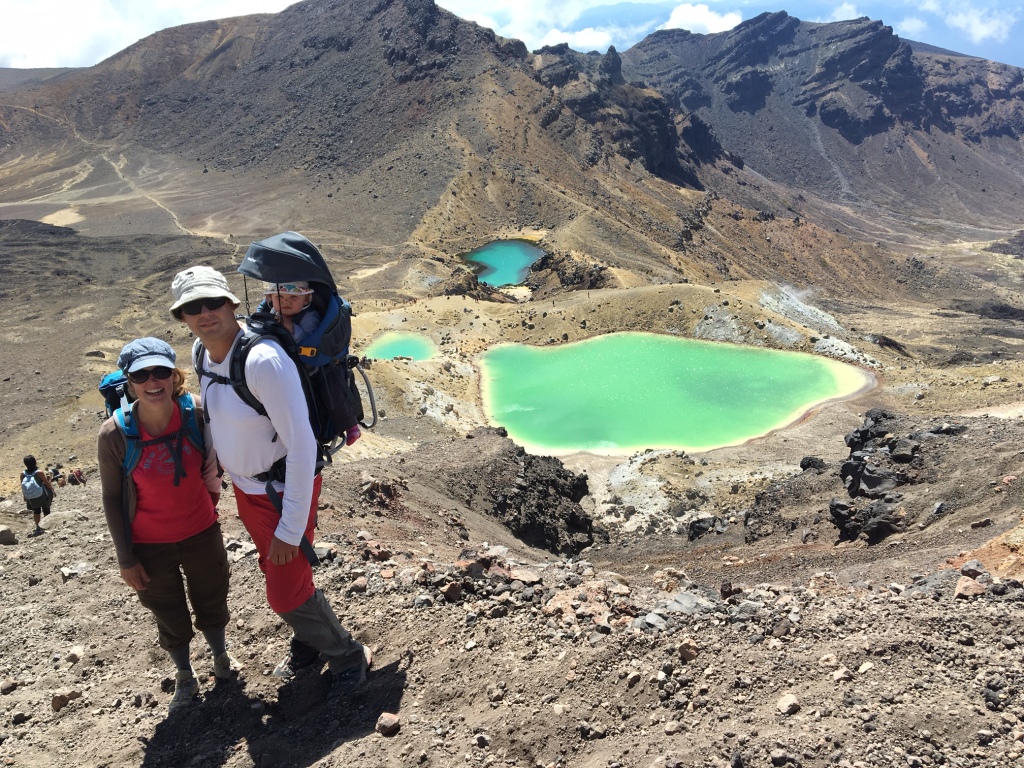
column 285, row 258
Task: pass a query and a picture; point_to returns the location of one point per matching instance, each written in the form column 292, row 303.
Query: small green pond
column 504, row 262
column 394, row 344
column 629, row 391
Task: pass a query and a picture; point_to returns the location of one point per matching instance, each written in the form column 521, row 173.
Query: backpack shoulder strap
column 127, row 422
column 190, row 422
column 198, row 362
column 236, row 369
column 129, row 426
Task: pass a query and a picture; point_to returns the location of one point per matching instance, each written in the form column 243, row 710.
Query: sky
column 80, row 33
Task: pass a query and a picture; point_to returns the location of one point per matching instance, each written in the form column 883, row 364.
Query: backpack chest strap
column 174, row 445
column 216, row 378
column 134, row 445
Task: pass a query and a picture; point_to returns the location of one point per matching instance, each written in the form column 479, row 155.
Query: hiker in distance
column 37, row 492
column 253, row 448
column 161, row 484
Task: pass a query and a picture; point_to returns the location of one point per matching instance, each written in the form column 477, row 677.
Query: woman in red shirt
column 161, row 508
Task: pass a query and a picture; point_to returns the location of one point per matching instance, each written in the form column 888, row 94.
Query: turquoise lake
column 504, row 262
column 394, row 344
column 628, row 391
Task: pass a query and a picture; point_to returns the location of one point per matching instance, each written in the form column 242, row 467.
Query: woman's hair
column 178, row 377
column 30, row 463
column 180, row 387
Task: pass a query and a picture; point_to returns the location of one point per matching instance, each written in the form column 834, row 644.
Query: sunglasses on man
column 195, row 307
column 160, row 372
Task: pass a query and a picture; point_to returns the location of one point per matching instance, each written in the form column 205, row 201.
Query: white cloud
column 911, row 27
column 78, row 33
column 532, row 21
column 580, row 40
column 539, row 14
column 550, row 22
column 845, row 12
column 989, row 20
column 701, row 19
column 982, row 24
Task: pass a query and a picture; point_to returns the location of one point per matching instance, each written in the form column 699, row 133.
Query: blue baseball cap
column 145, row 352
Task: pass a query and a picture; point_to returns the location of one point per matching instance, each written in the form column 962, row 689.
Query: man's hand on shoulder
column 281, row 553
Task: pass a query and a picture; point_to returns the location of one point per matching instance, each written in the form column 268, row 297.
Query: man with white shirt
column 254, row 449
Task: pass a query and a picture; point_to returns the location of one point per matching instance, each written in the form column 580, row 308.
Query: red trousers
column 289, row 585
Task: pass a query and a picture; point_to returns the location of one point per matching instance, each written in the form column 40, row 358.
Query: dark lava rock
column 863, row 479
column 535, row 497
column 874, row 522
column 812, row 462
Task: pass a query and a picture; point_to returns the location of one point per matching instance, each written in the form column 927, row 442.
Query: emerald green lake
column 504, row 262
column 395, row 344
column 628, row 391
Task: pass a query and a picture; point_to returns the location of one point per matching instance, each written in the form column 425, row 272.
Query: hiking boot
column 299, row 657
column 347, row 682
column 37, row 532
column 224, row 665
column 185, row 688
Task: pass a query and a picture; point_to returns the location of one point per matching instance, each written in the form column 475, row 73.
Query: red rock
column 499, row 572
column 452, row 591
column 688, row 649
column 62, row 698
column 968, row 587
column 526, row 576
column 388, row 724
column 471, row 568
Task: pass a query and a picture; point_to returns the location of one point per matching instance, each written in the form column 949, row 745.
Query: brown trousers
column 204, row 563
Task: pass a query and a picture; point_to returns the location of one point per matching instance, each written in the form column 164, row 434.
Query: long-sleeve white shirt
column 248, row 444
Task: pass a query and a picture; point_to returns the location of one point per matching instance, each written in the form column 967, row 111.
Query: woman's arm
column 211, row 467
column 110, row 452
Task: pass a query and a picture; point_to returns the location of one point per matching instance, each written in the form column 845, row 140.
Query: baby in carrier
column 292, row 303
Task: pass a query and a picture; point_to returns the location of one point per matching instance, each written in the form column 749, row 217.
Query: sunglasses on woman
column 158, row 372
column 195, row 307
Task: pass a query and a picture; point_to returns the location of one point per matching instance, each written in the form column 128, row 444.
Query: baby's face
column 288, row 304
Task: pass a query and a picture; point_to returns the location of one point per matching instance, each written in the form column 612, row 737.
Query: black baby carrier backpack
column 325, row 364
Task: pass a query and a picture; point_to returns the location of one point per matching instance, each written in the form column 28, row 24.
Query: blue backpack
column 190, row 430
column 114, row 388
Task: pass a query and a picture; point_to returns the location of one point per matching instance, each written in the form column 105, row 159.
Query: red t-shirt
column 165, row 514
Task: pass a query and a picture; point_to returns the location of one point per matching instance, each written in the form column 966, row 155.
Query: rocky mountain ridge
column 392, row 116
column 850, row 112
